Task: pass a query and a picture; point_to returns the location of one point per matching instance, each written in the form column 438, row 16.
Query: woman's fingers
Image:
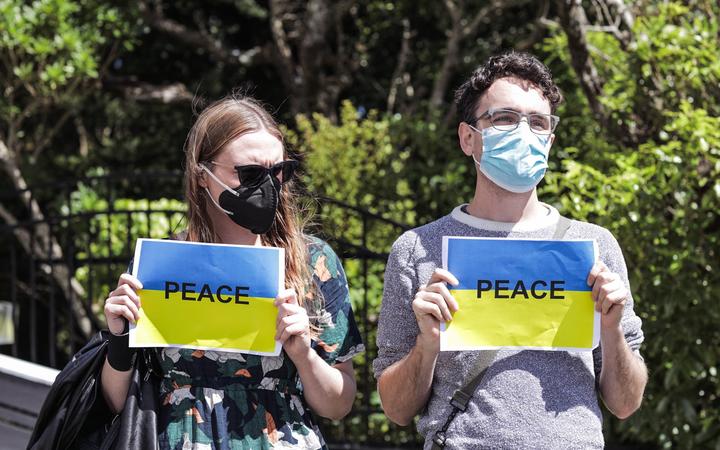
column 127, row 290
column 286, row 296
column 115, row 310
column 125, row 302
column 295, row 324
column 130, row 280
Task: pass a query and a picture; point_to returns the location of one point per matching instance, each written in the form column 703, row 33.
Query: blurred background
column 98, row 97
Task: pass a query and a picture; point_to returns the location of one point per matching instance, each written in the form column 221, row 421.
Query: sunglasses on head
column 253, row 175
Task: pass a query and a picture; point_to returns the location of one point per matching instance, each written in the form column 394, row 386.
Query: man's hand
column 609, row 294
column 433, row 303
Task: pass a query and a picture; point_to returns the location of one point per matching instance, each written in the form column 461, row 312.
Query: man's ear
column 468, row 138
column 552, row 139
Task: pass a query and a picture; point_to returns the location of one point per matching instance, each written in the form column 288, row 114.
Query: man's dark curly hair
column 511, row 64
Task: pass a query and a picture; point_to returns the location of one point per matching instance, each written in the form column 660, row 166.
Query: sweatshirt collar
column 547, row 221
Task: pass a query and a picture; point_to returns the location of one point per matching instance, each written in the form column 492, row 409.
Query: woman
column 239, row 191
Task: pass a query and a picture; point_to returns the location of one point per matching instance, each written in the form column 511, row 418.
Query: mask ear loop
column 477, row 131
column 212, row 199
column 212, row 175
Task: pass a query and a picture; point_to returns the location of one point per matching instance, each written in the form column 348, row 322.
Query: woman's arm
column 329, row 390
column 122, row 305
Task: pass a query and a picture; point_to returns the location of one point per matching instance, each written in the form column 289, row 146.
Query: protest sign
column 207, row 296
column 530, row 294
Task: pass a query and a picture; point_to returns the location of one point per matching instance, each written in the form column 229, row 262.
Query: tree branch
column 538, row 29
column 402, row 59
column 283, row 53
column 145, row 92
column 198, row 39
column 574, row 23
column 625, row 16
column 458, row 32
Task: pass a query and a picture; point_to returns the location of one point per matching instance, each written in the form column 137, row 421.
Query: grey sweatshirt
column 528, row 399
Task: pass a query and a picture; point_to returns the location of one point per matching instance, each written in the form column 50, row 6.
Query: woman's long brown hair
column 218, row 125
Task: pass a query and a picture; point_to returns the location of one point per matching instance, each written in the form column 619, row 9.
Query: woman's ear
column 201, row 175
column 468, row 138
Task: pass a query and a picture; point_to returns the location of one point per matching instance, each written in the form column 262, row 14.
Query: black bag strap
column 462, row 396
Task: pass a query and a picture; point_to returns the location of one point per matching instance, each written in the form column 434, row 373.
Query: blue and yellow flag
column 207, row 296
column 530, row 294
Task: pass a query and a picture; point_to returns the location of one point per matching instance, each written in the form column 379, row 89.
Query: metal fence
column 57, row 272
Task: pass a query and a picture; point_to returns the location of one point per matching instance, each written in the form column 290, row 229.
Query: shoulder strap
column 462, row 396
column 561, row 228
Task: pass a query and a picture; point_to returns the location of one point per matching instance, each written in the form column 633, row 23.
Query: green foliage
column 53, row 43
column 403, row 168
column 105, row 234
column 660, row 199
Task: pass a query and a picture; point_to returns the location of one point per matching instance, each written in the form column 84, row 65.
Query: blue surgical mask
column 515, row 160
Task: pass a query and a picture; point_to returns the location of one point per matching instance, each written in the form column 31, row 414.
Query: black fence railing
column 57, row 272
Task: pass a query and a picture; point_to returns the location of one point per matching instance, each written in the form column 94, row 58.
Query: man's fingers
column 439, row 300
column 423, row 307
column 610, row 287
column 597, row 268
column 442, row 275
column 617, row 297
column 602, row 279
column 440, row 288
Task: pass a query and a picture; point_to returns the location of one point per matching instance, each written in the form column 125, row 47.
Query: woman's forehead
column 258, row 147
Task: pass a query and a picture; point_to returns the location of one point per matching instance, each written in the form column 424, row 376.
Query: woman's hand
column 293, row 325
column 123, row 303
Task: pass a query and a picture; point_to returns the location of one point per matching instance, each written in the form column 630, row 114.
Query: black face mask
column 253, row 207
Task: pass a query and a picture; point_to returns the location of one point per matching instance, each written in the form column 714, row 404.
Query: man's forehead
column 514, row 93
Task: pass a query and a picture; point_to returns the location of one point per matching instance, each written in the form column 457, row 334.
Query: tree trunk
column 43, row 241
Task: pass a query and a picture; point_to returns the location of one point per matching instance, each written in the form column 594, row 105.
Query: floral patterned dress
column 221, row 400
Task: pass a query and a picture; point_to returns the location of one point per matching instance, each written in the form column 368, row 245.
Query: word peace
column 206, row 293
column 538, row 289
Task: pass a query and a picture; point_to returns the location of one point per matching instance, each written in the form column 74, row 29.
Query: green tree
column 652, row 179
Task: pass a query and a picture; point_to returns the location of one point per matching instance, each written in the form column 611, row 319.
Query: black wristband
column 119, row 355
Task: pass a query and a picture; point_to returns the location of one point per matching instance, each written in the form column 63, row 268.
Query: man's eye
column 540, row 123
column 505, row 118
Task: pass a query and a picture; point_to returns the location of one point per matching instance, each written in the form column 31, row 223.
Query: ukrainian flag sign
column 207, row 296
column 530, row 294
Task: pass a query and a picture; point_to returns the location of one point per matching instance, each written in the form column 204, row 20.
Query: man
column 526, row 399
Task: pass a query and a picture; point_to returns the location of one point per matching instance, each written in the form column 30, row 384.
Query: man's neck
column 494, row 203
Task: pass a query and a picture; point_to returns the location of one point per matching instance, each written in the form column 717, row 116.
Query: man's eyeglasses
column 508, row 120
column 252, row 175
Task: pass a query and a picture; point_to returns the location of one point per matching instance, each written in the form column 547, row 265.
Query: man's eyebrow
column 511, row 108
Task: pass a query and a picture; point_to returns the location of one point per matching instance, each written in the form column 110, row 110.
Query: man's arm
column 404, row 387
column 623, row 376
